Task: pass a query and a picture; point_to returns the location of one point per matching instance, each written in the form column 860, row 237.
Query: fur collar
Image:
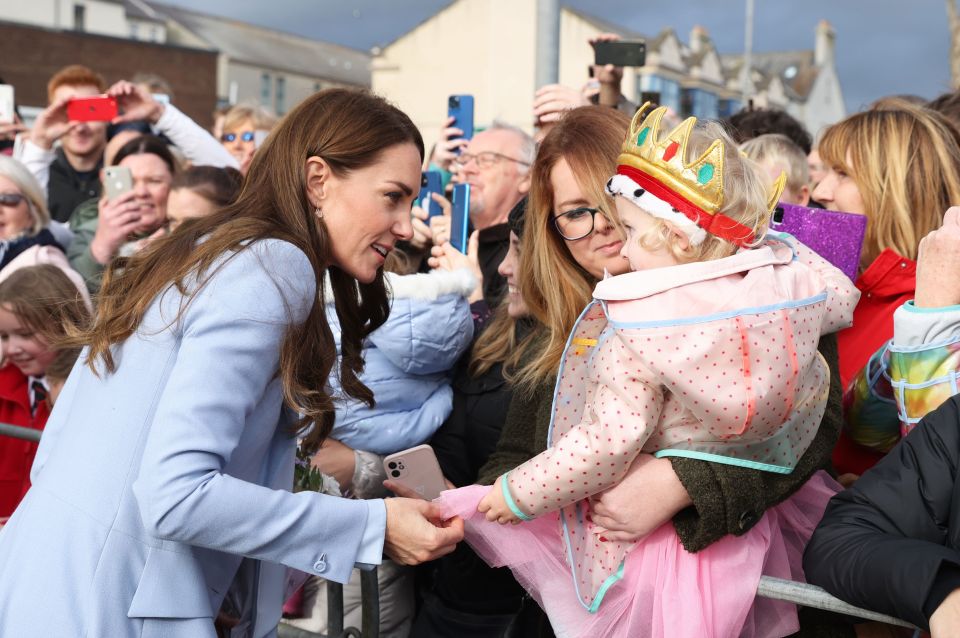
column 424, row 286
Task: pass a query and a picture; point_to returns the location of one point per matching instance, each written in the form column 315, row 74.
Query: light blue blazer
column 151, row 484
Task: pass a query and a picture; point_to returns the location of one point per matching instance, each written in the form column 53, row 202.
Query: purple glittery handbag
column 835, row 236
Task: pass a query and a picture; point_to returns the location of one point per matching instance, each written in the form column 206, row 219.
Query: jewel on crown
column 699, row 182
column 660, row 180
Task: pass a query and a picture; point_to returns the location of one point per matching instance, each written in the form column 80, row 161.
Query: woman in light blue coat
column 162, row 480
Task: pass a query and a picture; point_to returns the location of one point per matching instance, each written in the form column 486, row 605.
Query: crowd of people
column 642, row 397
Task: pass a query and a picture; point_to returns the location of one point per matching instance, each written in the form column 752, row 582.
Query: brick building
column 29, row 55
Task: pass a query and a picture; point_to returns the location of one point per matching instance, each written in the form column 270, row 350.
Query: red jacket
column 16, row 455
column 888, row 283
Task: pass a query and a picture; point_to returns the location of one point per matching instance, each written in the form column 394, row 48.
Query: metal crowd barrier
column 804, row 595
column 369, row 612
column 19, row 432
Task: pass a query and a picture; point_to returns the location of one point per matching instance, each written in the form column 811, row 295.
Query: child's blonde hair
column 782, row 152
column 745, row 195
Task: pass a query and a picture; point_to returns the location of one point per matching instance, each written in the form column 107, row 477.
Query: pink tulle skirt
column 665, row 590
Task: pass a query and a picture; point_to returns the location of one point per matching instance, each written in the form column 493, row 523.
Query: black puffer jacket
column 891, row 542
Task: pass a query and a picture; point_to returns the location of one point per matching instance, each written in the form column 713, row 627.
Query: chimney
column 698, row 36
column 823, row 52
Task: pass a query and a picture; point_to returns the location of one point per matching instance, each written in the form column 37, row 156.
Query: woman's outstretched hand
column 416, row 532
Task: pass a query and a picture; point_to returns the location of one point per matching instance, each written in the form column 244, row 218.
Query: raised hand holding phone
column 431, row 182
column 92, row 108
column 609, row 76
column 446, row 257
column 451, row 142
column 135, row 103
column 52, row 124
column 460, row 110
column 118, row 219
column 550, row 102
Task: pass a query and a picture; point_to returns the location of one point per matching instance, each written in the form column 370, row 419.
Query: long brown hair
column 555, row 287
column 349, row 129
column 905, row 162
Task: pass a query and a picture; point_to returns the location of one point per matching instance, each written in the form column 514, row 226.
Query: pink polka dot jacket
column 712, row 360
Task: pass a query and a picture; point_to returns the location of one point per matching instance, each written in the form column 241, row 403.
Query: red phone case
column 97, row 108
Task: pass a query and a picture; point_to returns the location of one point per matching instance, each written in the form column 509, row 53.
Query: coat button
column 321, row 565
column 747, row 519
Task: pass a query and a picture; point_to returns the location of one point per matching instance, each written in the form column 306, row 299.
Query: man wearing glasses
column 496, row 163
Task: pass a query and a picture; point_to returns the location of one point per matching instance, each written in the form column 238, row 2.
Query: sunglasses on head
column 11, row 199
column 246, row 136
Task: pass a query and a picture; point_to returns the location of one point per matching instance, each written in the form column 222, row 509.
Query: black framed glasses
column 577, row 223
column 246, row 136
column 486, row 159
column 11, row 199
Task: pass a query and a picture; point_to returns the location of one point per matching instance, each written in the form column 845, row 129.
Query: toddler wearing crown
column 707, row 350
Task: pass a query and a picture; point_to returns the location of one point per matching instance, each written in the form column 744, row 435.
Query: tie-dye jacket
column 913, row 374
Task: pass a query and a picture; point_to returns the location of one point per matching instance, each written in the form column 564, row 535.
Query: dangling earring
column 318, row 213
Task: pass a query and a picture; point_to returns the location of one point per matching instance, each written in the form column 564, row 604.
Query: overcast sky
column 883, row 46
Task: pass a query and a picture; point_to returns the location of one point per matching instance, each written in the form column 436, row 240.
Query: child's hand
column 495, row 507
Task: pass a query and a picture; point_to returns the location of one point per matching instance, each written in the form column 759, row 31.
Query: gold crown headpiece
column 694, row 190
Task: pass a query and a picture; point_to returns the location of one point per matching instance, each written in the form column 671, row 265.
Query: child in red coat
column 38, row 304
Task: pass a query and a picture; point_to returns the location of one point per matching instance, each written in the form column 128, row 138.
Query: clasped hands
column 649, row 495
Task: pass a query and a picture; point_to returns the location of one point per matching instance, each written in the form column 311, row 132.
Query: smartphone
column 117, row 180
column 430, row 182
column 418, row 469
column 460, row 217
column 835, row 236
column 460, row 108
column 620, row 53
column 6, row 104
column 97, row 108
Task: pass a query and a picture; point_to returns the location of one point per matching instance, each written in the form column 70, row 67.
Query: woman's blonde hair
column 502, row 342
column 555, row 287
column 905, row 162
column 262, row 119
column 745, row 194
column 30, row 188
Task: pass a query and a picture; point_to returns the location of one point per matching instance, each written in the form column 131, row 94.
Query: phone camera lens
column 392, row 465
column 395, row 473
column 423, row 180
column 454, row 101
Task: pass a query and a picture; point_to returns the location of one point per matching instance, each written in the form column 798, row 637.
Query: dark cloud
column 883, row 46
